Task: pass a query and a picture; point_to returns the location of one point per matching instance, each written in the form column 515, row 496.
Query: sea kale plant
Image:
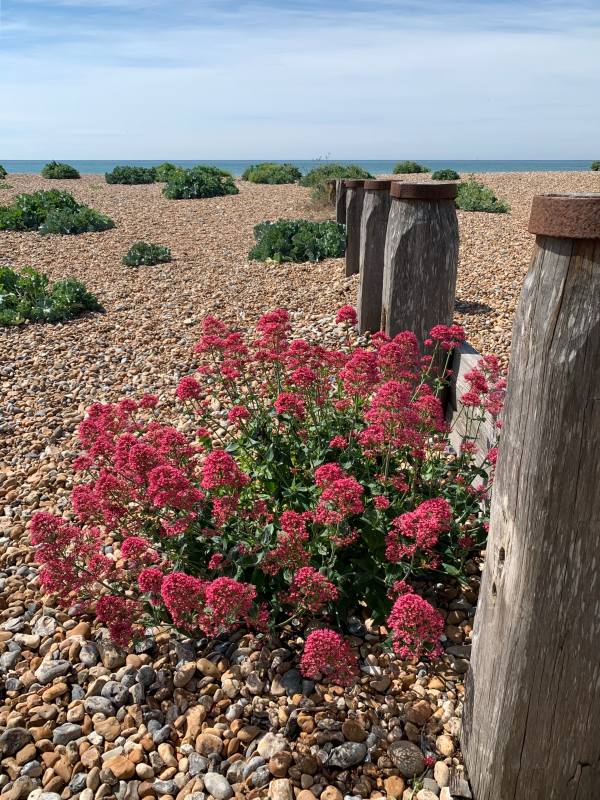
column 3, row 172
column 144, row 253
column 199, row 182
column 317, row 178
column 28, row 296
column 56, row 170
column 51, row 211
column 298, row 240
column 332, row 487
column 445, row 175
column 595, row 166
column 165, row 171
column 474, row 196
column 131, row 175
column 271, row 172
column 409, row 168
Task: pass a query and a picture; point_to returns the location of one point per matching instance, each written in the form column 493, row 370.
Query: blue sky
column 353, row 79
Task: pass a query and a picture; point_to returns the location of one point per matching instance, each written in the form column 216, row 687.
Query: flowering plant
column 316, row 479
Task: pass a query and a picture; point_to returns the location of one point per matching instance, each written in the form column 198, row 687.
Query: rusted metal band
column 378, row 185
column 569, row 216
column 353, row 184
column 423, row 191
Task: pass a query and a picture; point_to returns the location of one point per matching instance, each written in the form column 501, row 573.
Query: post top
column 423, row 191
column 353, row 183
column 569, row 216
column 378, row 185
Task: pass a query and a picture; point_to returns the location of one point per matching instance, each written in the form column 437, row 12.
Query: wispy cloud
column 356, row 78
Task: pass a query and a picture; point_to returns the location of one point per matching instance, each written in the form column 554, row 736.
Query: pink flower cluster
column 416, row 626
column 419, row 530
column 327, row 656
column 310, row 591
column 341, row 495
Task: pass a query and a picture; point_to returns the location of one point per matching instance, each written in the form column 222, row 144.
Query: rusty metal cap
column 378, row 185
column 570, row 216
column 353, row 183
column 423, row 191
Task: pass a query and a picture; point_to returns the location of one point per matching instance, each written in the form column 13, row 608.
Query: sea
column 376, row 167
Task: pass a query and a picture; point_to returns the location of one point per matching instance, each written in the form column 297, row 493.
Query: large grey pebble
column 217, row 785
column 347, row 755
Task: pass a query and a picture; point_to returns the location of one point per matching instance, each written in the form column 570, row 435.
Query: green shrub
column 298, row 240
column 73, row 221
column 55, row 170
column 269, row 172
column 131, row 175
column 145, row 253
column 28, row 296
column 200, row 182
column 51, row 211
column 409, row 168
column 473, row 196
column 317, row 178
column 445, row 175
column 595, row 166
column 3, row 172
column 164, row 172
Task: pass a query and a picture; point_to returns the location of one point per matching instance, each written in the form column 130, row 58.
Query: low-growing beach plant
column 317, row 178
column 51, row 211
column 28, row 296
column 200, row 182
column 270, row 172
column 144, row 253
column 445, row 175
column 333, row 488
column 55, row 170
column 595, row 166
column 164, row 172
column 474, row 196
column 298, row 240
column 409, row 168
column 131, row 175
column 3, row 172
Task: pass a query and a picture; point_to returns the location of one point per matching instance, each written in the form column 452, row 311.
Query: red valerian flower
column 347, row 315
column 360, row 374
column 169, row 486
column 150, row 581
column 220, row 470
column 328, row 656
column 120, row 616
column 418, row 530
column 188, row 389
column 416, row 627
column 310, row 591
column 341, row 499
column 182, row 595
column 290, row 403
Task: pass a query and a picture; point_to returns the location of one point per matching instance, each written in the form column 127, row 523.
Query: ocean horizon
column 375, row 166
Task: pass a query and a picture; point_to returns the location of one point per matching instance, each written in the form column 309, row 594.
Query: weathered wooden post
column 532, row 716
column 331, row 191
column 421, row 258
column 354, row 204
column 373, row 226
column 340, row 201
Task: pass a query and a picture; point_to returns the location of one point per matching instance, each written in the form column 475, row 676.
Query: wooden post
column 340, row 201
column 331, row 191
column 421, row 258
column 373, row 226
column 354, row 204
column 532, row 715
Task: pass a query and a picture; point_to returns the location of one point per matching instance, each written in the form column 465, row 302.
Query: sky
column 369, row 79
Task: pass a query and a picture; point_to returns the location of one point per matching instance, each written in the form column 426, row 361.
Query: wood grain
column 373, row 227
column 340, row 201
column 354, row 205
column 532, row 715
column 421, row 260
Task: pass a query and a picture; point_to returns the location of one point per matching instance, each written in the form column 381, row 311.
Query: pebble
column 217, row 785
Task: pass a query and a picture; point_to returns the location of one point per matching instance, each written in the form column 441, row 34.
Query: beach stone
column 48, row 670
column 66, row 733
column 207, row 667
column 279, row 764
column 218, row 786
column 331, row 793
column 347, row 755
column 208, row 744
column 419, row 713
column 99, row 705
column 353, row 731
column 407, row 757
column 441, row 773
column 121, row 767
column 12, row 740
column 281, row 789
column 426, row 794
column 394, row 786
column 111, row 657
column 445, row 745
column 271, row 744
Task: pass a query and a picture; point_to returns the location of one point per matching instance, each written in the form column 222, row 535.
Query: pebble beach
column 232, row 718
